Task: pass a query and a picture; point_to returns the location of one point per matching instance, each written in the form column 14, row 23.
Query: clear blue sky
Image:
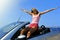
column 10, row 11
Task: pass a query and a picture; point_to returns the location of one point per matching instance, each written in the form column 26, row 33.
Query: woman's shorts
column 33, row 25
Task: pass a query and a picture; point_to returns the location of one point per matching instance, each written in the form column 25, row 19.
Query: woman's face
column 34, row 11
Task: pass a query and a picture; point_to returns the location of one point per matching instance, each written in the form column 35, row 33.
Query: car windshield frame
column 6, row 29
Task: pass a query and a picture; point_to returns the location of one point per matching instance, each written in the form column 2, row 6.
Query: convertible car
column 12, row 31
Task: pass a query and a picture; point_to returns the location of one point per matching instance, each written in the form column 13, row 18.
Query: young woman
column 33, row 26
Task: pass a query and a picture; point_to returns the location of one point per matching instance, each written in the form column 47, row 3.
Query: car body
column 12, row 31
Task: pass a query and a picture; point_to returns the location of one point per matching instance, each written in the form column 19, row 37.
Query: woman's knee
column 22, row 30
column 29, row 32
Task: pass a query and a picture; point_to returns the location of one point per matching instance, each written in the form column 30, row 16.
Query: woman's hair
column 33, row 9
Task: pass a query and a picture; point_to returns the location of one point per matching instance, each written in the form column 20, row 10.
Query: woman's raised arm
column 46, row 11
column 26, row 11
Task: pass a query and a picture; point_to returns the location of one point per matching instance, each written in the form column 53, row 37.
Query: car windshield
column 8, row 28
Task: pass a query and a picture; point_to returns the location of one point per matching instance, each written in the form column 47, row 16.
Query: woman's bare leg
column 28, row 34
column 24, row 31
column 31, row 31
